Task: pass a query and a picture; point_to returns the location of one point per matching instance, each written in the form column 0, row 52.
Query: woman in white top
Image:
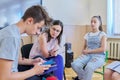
column 93, row 53
column 47, row 45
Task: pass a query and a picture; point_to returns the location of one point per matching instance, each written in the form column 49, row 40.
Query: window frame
column 113, row 30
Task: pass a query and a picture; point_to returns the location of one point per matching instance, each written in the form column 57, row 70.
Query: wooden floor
column 70, row 73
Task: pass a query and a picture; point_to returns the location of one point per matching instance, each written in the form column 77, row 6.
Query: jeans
column 85, row 65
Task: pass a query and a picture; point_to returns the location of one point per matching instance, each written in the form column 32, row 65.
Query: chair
column 103, row 67
column 25, row 50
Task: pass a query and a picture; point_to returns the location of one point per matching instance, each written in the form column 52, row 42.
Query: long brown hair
column 56, row 22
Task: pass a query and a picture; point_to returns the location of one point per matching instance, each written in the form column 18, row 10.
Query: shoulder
column 102, row 33
column 86, row 35
column 43, row 37
column 10, row 31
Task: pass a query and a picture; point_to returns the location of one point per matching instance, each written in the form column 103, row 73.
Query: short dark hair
column 38, row 13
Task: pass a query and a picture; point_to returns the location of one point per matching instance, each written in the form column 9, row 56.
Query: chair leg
column 64, row 74
column 103, row 71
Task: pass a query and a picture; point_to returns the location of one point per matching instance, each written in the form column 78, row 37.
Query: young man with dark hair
column 33, row 19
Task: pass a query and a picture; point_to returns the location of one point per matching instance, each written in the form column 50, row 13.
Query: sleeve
column 86, row 36
column 9, row 48
column 103, row 34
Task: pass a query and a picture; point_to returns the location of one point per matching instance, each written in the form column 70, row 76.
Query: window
column 113, row 17
column 14, row 10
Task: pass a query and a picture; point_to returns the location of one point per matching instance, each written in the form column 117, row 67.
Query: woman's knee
column 59, row 61
column 75, row 66
column 108, row 72
column 115, row 76
column 59, row 57
column 89, row 68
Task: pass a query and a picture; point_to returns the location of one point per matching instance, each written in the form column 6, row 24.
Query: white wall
column 71, row 12
column 12, row 10
column 76, row 12
column 98, row 7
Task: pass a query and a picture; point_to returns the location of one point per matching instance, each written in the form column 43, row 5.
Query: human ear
column 29, row 20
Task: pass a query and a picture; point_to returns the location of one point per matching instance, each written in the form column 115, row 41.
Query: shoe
column 75, row 78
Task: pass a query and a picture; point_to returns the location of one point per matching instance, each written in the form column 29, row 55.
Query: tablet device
column 49, row 62
column 52, row 68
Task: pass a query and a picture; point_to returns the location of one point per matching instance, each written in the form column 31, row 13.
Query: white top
column 94, row 34
column 35, row 51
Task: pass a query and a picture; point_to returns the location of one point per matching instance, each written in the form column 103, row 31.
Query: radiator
column 114, row 49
